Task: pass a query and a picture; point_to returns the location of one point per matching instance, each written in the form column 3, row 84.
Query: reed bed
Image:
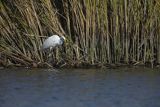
column 99, row 32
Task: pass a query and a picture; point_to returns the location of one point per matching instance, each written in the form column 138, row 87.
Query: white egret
column 53, row 41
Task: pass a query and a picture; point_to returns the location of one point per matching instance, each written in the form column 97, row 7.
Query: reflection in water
column 124, row 87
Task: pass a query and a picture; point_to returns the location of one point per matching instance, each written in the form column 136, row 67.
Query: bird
column 53, row 42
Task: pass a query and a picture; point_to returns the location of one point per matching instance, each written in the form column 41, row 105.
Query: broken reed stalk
column 98, row 31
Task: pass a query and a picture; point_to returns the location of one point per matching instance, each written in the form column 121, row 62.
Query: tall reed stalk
column 99, row 32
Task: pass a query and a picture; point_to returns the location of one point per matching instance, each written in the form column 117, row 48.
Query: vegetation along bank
column 98, row 32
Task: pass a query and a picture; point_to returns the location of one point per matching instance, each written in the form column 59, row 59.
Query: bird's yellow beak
column 65, row 40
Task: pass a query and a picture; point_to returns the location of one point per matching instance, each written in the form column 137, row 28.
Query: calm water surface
column 122, row 87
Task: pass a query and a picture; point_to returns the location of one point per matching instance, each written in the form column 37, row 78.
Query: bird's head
column 63, row 39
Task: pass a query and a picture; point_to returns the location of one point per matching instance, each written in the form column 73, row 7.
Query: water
column 123, row 87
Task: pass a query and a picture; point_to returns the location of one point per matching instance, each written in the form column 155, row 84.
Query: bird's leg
column 50, row 52
column 57, row 55
column 50, row 58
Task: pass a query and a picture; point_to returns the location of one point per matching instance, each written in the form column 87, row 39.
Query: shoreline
column 81, row 65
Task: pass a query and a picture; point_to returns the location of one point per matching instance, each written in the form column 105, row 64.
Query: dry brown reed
column 99, row 32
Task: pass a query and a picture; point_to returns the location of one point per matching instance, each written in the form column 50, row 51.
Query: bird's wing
column 52, row 41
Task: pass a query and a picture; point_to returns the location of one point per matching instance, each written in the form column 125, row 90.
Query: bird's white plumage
column 52, row 41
